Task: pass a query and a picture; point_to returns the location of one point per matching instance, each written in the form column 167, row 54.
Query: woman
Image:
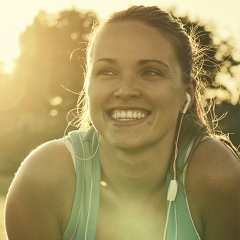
column 144, row 163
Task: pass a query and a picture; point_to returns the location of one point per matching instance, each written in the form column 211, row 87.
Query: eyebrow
column 108, row 60
column 145, row 61
column 140, row 62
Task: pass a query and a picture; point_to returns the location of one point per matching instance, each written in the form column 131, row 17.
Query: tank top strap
column 181, row 225
column 83, row 220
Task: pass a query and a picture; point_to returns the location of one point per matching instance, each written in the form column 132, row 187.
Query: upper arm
column 214, row 175
column 35, row 199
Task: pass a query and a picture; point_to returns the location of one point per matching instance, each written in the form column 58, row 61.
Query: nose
column 128, row 88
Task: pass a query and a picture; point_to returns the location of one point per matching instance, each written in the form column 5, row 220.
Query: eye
column 152, row 73
column 106, row 72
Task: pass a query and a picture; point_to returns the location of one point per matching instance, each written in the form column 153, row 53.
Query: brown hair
column 188, row 53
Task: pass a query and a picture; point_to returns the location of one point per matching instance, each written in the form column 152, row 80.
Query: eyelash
column 106, row 72
column 149, row 72
column 152, row 72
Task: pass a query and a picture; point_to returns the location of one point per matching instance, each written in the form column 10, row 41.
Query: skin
column 134, row 155
column 148, row 81
column 129, row 77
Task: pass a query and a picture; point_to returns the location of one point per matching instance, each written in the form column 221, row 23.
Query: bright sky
column 15, row 15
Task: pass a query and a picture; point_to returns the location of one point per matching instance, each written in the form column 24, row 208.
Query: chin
column 128, row 145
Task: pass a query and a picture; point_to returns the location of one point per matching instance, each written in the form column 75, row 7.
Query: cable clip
column 172, row 190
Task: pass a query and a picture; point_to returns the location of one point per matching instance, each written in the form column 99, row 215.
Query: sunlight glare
column 9, row 67
column 15, row 17
column 9, row 35
column 53, row 112
column 57, row 100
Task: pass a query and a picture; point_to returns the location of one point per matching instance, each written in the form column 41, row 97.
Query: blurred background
column 42, row 64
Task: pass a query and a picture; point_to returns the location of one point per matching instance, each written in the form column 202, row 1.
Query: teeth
column 128, row 115
column 118, row 115
column 123, row 114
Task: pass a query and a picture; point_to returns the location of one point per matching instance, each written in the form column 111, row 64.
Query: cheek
column 91, row 94
column 166, row 96
column 168, row 101
column 98, row 95
column 93, row 91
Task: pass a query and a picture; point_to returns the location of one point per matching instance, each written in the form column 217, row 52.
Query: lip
column 127, row 108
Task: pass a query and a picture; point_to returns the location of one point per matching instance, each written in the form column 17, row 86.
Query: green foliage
column 219, row 64
column 37, row 103
column 44, row 64
column 34, row 104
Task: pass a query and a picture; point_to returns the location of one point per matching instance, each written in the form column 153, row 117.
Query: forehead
column 133, row 39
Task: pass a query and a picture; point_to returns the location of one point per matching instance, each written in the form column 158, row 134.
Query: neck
column 136, row 175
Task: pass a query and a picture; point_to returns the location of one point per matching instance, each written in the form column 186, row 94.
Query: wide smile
column 128, row 115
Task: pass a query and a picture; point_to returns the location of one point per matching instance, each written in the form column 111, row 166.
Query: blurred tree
column 221, row 76
column 9, row 94
column 221, row 65
column 35, row 89
column 44, row 70
column 44, row 65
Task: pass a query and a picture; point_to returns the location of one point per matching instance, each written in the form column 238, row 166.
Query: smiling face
column 135, row 89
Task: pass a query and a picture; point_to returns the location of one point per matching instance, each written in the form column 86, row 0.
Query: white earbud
column 187, row 103
column 173, row 186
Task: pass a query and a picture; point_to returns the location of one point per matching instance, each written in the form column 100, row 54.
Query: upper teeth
column 127, row 115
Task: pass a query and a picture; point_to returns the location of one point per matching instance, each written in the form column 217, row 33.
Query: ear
column 191, row 89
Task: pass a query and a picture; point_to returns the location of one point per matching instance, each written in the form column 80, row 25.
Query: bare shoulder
column 216, row 163
column 49, row 164
column 213, row 183
column 37, row 196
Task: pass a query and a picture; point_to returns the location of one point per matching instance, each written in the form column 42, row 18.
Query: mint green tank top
column 83, row 220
